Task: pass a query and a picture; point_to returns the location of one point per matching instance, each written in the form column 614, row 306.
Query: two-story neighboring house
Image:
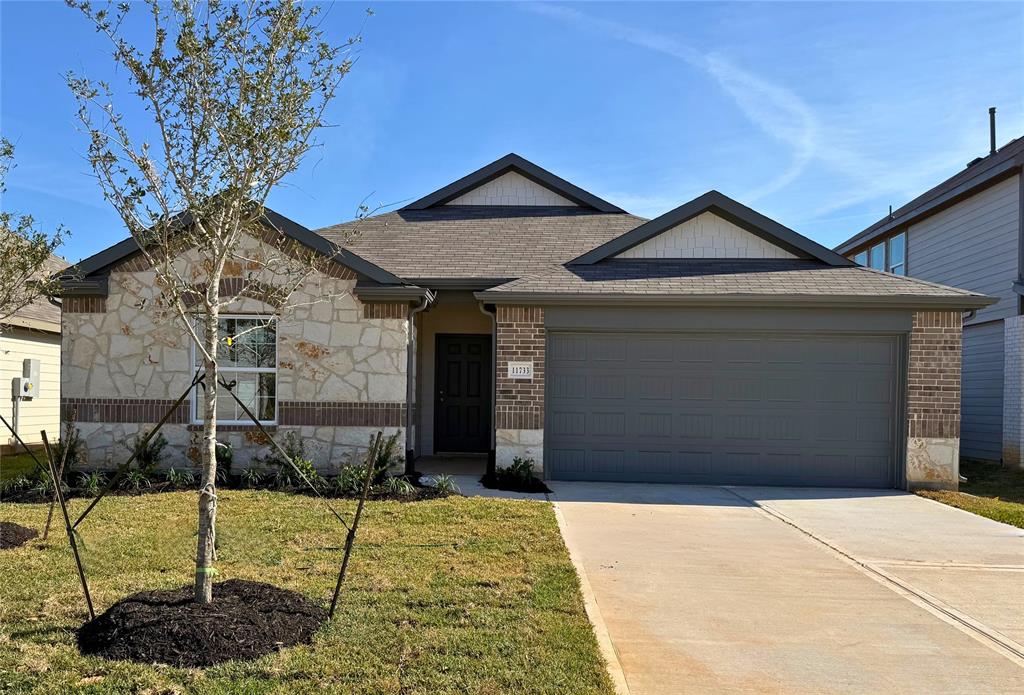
column 968, row 232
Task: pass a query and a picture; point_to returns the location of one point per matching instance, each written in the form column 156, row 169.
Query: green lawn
column 461, row 595
column 16, row 465
column 991, row 491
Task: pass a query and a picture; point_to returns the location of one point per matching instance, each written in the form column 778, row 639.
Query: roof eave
column 513, row 162
column 952, row 302
column 941, row 200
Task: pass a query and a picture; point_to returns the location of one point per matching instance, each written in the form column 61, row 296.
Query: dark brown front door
column 462, row 404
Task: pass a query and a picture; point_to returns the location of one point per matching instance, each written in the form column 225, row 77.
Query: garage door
column 722, row 409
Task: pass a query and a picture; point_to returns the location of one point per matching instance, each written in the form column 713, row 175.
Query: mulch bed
column 13, row 535
column 499, row 482
column 245, row 621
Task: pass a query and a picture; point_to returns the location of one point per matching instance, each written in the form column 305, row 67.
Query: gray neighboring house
column 513, row 314
column 969, row 232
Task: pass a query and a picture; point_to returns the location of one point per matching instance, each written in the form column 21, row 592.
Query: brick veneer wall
column 83, row 305
column 519, row 403
column 933, row 378
column 1013, row 391
column 385, row 310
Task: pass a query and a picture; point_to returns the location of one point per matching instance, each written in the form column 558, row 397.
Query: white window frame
column 887, row 263
column 197, row 391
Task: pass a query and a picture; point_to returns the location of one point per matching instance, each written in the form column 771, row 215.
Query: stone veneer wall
column 933, row 400
column 1013, row 391
column 519, row 403
column 341, row 369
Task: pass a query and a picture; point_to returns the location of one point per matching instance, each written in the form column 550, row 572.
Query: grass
column 991, row 491
column 16, row 465
column 460, row 595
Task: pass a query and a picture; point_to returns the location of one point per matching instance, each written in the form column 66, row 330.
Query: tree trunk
column 208, row 485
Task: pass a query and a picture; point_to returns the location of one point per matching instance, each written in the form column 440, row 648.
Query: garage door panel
column 714, row 409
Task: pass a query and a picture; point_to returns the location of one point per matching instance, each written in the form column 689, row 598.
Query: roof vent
column 992, row 129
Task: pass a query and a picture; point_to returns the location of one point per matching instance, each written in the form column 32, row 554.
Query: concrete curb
column 604, row 639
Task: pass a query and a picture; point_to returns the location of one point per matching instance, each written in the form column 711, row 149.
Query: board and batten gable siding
column 42, row 413
column 974, row 245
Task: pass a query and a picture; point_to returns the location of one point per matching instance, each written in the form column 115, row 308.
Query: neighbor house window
column 889, row 255
column 247, row 356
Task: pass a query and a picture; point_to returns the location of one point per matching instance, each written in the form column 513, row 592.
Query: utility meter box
column 27, row 385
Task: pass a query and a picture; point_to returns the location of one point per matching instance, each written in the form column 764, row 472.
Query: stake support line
column 67, row 525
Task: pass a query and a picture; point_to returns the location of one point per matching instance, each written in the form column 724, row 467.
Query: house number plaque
column 520, row 370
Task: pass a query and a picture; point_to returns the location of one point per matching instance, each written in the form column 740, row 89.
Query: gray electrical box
column 26, row 386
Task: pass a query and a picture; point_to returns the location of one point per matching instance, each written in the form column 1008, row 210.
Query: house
column 513, row 314
column 31, row 334
column 969, row 232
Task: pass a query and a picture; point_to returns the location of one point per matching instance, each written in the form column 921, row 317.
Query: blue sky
column 819, row 115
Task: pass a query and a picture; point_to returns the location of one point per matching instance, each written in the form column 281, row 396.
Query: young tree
column 236, row 93
column 25, row 252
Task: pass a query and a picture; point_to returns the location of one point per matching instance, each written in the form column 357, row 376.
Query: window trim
column 194, row 414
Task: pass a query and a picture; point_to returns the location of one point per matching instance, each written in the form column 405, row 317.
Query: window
column 876, row 256
column 247, row 356
column 889, row 255
column 898, row 254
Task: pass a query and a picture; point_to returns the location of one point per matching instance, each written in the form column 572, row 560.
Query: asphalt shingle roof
column 452, row 241
column 42, row 309
column 697, row 277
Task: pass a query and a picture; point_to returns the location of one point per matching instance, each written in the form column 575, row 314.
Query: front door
column 462, row 404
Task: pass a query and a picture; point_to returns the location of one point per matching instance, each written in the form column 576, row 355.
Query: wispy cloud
column 783, row 115
column 773, row 108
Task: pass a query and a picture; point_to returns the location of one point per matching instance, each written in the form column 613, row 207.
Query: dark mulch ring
column 514, row 484
column 245, row 621
column 13, row 535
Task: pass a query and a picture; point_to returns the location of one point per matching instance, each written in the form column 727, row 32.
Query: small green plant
column 387, row 457
column 135, row 481
column 91, row 483
column 181, row 479
column 521, row 470
column 224, row 454
column 442, row 482
column 518, row 476
column 15, row 486
column 42, row 484
column 283, row 473
column 252, row 478
column 148, row 454
column 398, row 486
column 348, row 482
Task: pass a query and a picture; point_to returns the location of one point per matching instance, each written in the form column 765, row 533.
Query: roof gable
column 512, row 189
column 706, row 236
column 100, row 263
column 523, row 169
column 728, row 210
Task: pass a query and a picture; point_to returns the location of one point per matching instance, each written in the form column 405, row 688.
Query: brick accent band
column 122, row 410
column 83, row 305
column 317, row 413
column 519, row 403
column 342, row 414
column 385, row 310
column 933, row 375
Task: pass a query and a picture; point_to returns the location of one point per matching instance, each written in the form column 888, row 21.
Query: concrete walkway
column 768, row 590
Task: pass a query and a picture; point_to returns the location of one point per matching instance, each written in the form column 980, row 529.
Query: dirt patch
column 13, row 535
column 245, row 621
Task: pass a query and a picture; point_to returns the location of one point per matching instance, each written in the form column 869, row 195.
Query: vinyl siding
column 981, row 399
column 974, row 245
column 17, row 344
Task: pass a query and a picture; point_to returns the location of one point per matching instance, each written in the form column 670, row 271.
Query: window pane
column 900, row 269
column 897, row 251
column 876, row 257
column 861, row 258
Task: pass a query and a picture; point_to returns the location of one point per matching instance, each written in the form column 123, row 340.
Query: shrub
column 398, row 486
column 252, row 478
column 148, row 454
column 443, row 482
column 13, row 486
column 91, row 483
column 518, row 477
column 388, row 455
column 182, row 479
column 348, row 482
column 283, row 473
column 135, row 481
column 72, row 442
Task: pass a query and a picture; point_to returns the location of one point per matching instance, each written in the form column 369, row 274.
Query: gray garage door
column 722, row 409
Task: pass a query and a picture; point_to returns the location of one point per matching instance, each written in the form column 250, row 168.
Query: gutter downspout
column 410, row 381
column 492, row 451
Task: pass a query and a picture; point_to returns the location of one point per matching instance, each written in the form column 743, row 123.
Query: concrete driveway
column 779, row 590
